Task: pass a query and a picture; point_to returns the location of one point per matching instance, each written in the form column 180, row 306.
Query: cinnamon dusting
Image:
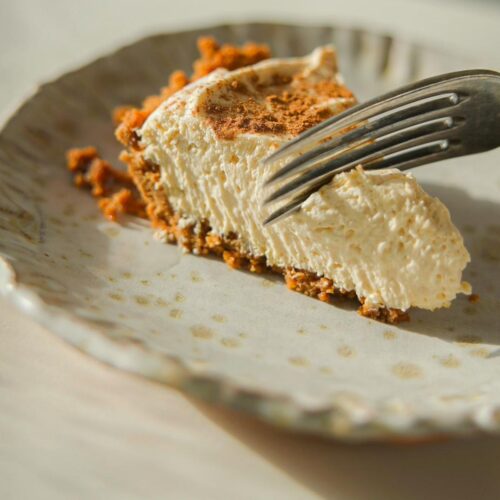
column 283, row 106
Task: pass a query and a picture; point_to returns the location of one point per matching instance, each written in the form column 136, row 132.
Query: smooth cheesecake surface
column 375, row 233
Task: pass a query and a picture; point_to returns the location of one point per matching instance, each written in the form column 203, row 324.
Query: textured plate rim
column 333, row 420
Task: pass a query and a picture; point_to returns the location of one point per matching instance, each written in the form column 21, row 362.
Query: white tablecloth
column 73, row 428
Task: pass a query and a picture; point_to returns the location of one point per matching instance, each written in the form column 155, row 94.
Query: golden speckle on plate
column 243, row 335
column 388, row 335
column 112, row 231
column 159, row 274
column 479, row 353
column 161, row 302
column 325, row 370
column 195, row 277
column 116, row 296
column 121, row 316
column 91, row 217
column 179, row 297
column 267, row 283
column 466, row 340
column 145, row 282
column 173, row 276
column 200, row 363
column 341, row 424
column 470, row 310
column 301, row 331
column 228, row 342
column 127, row 275
column 111, row 279
column 407, row 371
column 346, row 351
column 141, row 300
column 68, row 210
column 452, row 398
column 56, row 221
column 323, row 327
column 83, row 253
column 202, row 332
column 450, row 361
column 298, row 361
column 219, row 318
column 176, row 313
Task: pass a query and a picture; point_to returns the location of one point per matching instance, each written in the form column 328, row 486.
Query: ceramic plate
column 230, row 337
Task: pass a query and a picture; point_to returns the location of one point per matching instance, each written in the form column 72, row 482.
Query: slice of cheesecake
column 197, row 161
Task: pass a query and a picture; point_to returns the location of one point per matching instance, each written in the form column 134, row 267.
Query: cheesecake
column 196, row 152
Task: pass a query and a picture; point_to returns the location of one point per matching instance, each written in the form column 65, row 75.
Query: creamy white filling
column 377, row 233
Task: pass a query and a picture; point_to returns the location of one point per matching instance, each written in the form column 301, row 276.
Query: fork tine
column 397, row 141
column 405, row 118
column 436, row 151
column 290, row 207
column 407, row 159
column 397, row 98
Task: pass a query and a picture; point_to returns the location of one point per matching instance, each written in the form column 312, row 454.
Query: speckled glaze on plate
column 230, row 337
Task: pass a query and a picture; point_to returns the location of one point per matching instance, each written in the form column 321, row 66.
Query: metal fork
column 442, row 117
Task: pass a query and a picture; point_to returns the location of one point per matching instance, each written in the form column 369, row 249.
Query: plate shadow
column 460, row 469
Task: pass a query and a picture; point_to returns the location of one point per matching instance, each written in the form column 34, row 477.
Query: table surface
column 71, row 427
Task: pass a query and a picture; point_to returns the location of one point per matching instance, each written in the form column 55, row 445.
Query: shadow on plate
column 460, row 469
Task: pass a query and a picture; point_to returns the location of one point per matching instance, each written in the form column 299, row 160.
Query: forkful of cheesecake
column 446, row 116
